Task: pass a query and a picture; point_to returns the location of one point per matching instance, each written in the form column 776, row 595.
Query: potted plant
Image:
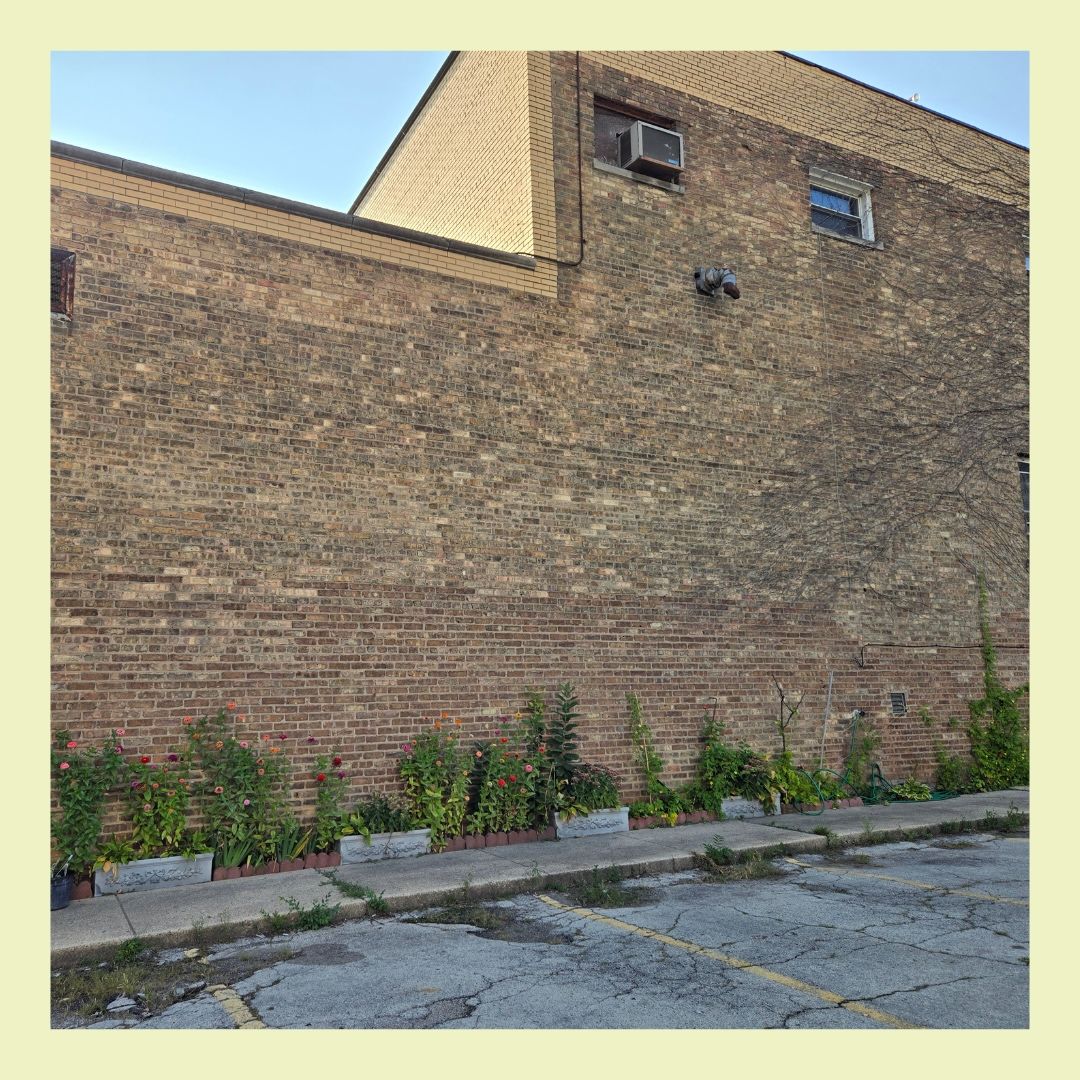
column 61, row 884
column 379, row 829
column 82, row 779
column 435, row 772
column 592, row 805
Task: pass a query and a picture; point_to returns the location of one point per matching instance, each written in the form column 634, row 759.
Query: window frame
column 835, row 184
column 1023, row 466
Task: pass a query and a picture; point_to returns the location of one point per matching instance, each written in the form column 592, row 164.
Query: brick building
column 484, row 431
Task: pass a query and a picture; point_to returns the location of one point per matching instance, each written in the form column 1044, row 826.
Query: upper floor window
column 1024, row 464
column 840, row 206
column 62, row 292
column 637, row 141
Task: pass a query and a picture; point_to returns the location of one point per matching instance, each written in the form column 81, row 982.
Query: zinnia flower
column 119, row 732
column 312, row 739
column 145, row 760
column 187, row 720
column 218, row 745
column 337, row 761
column 341, row 776
column 283, row 736
column 275, row 749
column 230, row 705
column 118, row 748
column 504, row 739
column 218, row 790
column 502, row 782
column 259, row 761
column 513, row 778
column 64, row 765
column 479, row 754
column 321, row 777
column 457, row 721
column 244, row 745
column 261, row 772
column 71, row 745
column 407, row 747
column 174, row 757
column 155, row 786
column 247, row 802
column 528, row 768
column 147, row 807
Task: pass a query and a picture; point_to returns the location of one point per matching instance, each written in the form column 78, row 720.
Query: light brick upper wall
column 464, row 169
column 814, row 102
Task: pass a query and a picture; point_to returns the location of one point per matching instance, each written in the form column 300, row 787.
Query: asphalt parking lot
column 922, row 934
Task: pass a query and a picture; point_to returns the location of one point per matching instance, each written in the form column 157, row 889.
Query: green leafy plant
column 158, row 796
column 534, row 721
column 503, row 784
column 595, row 788
column 999, row 743
column 376, row 902
column 113, row 853
column 864, row 745
column 381, row 814
column 435, row 772
column 329, row 799
column 641, row 738
column 718, row 766
column 321, row 913
column 291, row 841
column 82, row 779
column 912, row 790
column 561, row 736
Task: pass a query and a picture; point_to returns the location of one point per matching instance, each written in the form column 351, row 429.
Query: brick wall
column 351, row 491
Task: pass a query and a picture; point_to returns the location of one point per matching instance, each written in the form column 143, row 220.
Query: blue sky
column 312, row 126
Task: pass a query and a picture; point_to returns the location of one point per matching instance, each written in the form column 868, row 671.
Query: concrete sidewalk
column 182, row 913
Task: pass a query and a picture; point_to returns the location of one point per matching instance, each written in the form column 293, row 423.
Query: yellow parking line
column 742, row 965
column 233, row 1004
column 845, row 872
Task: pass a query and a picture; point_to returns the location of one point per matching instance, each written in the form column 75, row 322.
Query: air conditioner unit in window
column 655, row 151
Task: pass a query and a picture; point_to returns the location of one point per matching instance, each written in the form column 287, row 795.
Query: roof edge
column 384, row 160
column 287, row 206
column 896, row 97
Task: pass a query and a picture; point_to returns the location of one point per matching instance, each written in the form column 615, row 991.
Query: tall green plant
column 562, row 735
column 999, row 741
column 534, row 721
column 435, row 772
column 642, row 738
column 83, row 778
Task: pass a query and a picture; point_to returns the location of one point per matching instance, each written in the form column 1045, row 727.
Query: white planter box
column 595, row 823
column 740, row 808
column 387, row 845
column 145, row 874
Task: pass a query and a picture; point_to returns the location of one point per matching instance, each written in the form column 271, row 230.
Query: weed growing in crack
column 129, row 951
column 723, row 864
column 375, row 902
column 321, row 914
column 832, row 841
column 604, row 888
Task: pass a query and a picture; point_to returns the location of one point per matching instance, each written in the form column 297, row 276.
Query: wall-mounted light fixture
column 710, row 279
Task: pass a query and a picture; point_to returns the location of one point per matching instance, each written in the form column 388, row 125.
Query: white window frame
column 854, row 189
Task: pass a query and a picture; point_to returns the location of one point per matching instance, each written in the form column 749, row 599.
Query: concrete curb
column 228, row 909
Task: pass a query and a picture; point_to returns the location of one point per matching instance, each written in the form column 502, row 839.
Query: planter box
column 596, row 823
column 385, row 846
column 145, row 874
column 743, row 808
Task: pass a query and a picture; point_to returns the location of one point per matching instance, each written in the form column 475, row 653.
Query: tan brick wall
column 351, row 491
column 465, row 167
column 831, row 109
column 199, row 206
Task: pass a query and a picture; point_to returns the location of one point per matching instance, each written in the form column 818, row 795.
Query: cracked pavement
column 839, row 940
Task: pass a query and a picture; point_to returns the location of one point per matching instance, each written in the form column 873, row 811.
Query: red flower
column 504, row 739
column 341, row 776
column 187, row 719
column 71, row 745
column 321, row 777
column 231, row 705
column 513, row 778
column 283, row 736
column 337, row 761
column 145, row 760
column 502, row 782
column 64, row 765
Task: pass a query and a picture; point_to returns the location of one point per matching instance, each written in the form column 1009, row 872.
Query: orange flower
column 275, row 749
column 445, row 715
column 438, row 725
column 219, row 745
column 457, row 721
column 231, row 705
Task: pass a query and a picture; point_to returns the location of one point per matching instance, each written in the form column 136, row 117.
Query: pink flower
column 341, row 776
column 64, row 765
column 247, row 802
column 118, row 748
column 479, row 754
column 120, row 733
column 528, row 768
column 71, row 745
column 147, row 807
column 407, row 747
column 218, row 790
column 243, row 745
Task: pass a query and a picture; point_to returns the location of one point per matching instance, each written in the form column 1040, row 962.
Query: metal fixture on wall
column 709, row 279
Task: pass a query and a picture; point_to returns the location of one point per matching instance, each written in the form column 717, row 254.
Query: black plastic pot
column 61, row 891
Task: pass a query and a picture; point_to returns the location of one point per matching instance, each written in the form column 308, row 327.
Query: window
column 1025, row 468
column 898, row 703
column 651, row 150
column 840, row 206
column 62, row 292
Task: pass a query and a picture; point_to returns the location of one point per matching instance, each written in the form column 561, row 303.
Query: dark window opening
column 62, row 292
column 837, row 213
column 899, row 704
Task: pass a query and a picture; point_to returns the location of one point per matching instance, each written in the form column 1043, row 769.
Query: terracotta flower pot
column 310, row 861
column 322, row 860
column 83, row 890
column 531, row 835
column 548, row 833
column 218, row 874
column 247, row 870
column 856, row 800
column 680, row 819
column 499, row 839
column 232, row 872
column 273, row 866
column 333, row 858
column 474, row 840
column 455, row 843
column 516, row 836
